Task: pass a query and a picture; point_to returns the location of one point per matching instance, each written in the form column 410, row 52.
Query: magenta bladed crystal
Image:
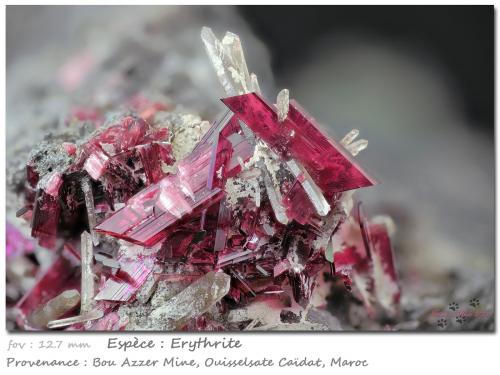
column 197, row 185
column 63, row 274
column 382, row 254
column 300, row 137
column 148, row 214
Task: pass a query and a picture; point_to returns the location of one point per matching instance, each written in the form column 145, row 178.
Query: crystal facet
column 87, row 259
column 283, row 103
column 299, row 137
column 193, row 301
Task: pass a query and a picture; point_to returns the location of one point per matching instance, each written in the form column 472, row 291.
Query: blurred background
column 416, row 81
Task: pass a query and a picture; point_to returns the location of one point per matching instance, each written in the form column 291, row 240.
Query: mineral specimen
column 189, row 226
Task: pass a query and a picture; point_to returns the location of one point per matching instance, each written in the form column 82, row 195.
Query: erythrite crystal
column 96, row 164
column 69, row 147
column 148, row 214
column 299, row 137
column 128, row 280
column 45, row 219
column 17, row 243
column 386, row 283
column 196, row 186
column 62, row 275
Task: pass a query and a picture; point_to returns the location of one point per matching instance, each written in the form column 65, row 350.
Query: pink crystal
column 86, row 114
column 297, row 204
column 196, row 186
column 45, row 219
column 69, row 147
column 62, row 275
column 147, row 215
column 152, row 155
column 96, row 164
column 127, row 281
column 145, row 107
column 54, row 183
column 300, row 137
column 17, row 243
column 381, row 251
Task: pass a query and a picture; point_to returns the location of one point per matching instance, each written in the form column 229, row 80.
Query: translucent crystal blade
column 193, row 301
column 255, row 83
column 274, row 197
column 227, row 62
column 349, row 137
column 91, row 315
column 232, row 45
column 55, row 308
column 130, row 278
column 235, row 257
column 89, row 204
column 282, row 103
column 312, row 190
column 88, row 284
column 356, row 147
column 223, row 223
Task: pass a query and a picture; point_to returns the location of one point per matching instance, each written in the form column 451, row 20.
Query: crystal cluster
column 235, row 232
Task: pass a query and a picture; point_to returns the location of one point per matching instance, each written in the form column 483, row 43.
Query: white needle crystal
column 229, row 63
column 89, row 203
column 312, row 190
column 255, row 83
column 87, row 287
column 353, row 147
column 283, row 103
column 91, row 315
column 349, row 137
column 358, row 146
column 274, row 197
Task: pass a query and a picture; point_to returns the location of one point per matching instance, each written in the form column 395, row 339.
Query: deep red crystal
column 300, row 137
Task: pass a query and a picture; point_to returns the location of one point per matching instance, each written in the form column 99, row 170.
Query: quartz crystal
column 92, row 315
column 62, row 275
column 89, row 204
column 229, row 62
column 87, row 259
column 283, row 103
column 55, row 308
column 193, row 301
